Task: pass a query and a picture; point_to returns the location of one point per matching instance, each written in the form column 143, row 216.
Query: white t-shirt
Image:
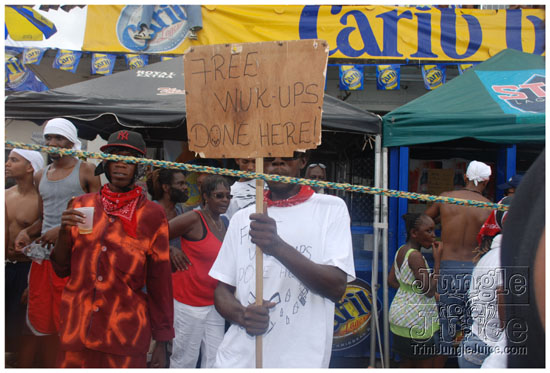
column 301, row 324
column 498, row 358
column 486, row 277
column 244, row 194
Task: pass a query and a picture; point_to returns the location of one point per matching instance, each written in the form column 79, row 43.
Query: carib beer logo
column 352, row 316
column 31, row 55
column 66, row 61
column 135, row 62
column 169, row 23
column 433, row 76
column 387, row 78
column 351, row 77
column 102, row 64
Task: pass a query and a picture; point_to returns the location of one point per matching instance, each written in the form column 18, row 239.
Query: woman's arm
column 392, row 279
column 186, row 225
column 423, row 281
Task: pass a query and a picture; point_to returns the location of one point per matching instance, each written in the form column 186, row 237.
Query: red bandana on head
column 122, row 205
column 302, row 196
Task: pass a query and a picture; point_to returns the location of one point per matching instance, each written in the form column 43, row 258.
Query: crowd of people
column 479, row 290
column 155, row 284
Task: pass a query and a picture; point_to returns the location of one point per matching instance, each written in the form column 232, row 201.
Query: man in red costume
column 107, row 319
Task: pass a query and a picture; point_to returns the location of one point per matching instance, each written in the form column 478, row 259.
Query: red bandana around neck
column 122, row 205
column 302, row 196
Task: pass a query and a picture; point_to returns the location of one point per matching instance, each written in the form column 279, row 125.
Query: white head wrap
column 35, row 158
column 478, row 171
column 63, row 127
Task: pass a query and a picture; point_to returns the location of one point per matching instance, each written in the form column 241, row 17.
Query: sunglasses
column 317, row 165
column 221, row 195
column 294, row 157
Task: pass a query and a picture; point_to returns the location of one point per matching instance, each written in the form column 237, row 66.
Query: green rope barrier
column 266, row 177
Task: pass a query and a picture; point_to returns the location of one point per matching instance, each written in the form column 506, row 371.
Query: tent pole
column 374, row 268
column 385, row 258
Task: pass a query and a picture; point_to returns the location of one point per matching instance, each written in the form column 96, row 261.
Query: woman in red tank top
column 198, row 326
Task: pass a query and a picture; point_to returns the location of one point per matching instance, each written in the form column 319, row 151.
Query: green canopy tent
column 501, row 100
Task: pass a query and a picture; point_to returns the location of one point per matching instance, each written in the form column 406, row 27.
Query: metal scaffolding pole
column 384, row 211
column 374, row 278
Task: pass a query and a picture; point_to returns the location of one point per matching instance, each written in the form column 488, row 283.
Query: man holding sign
column 306, row 243
column 265, row 102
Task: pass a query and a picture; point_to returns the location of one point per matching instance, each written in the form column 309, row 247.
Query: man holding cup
column 107, row 319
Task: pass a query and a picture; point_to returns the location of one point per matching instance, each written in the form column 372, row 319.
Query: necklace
column 474, row 191
column 219, row 226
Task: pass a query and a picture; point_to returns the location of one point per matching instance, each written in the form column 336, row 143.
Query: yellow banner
column 366, row 32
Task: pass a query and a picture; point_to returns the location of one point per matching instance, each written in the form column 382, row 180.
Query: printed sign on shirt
column 264, row 98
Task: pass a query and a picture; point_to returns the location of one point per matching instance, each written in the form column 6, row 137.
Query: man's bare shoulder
column 21, row 203
column 38, row 175
column 465, row 194
column 11, row 192
column 452, row 193
column 87, row 166
column 90, row 182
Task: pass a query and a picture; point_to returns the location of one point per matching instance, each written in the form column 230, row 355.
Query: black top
column 521, row 235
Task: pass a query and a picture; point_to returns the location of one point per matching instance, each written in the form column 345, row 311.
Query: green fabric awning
column 501, row 100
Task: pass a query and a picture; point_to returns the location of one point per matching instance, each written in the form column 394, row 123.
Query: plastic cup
column 88, row 225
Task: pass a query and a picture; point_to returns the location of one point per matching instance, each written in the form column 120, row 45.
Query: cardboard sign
column 440, row 180
column 255, row 99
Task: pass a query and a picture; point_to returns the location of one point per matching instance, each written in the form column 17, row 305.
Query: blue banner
column 67, row 60
column 388, row 77
column 351, row 77
column 103, row 63
column 434, row 76
column 33, row 55
column 134, row 61
column 19, row 78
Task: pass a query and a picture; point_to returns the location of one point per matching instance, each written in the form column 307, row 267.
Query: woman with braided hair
column 413, row 317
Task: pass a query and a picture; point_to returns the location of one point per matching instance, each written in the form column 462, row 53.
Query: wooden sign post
column 255, row 100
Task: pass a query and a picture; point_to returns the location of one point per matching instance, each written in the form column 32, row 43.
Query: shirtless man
column 66, row 177
column 459, row 228
column 21, row 211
